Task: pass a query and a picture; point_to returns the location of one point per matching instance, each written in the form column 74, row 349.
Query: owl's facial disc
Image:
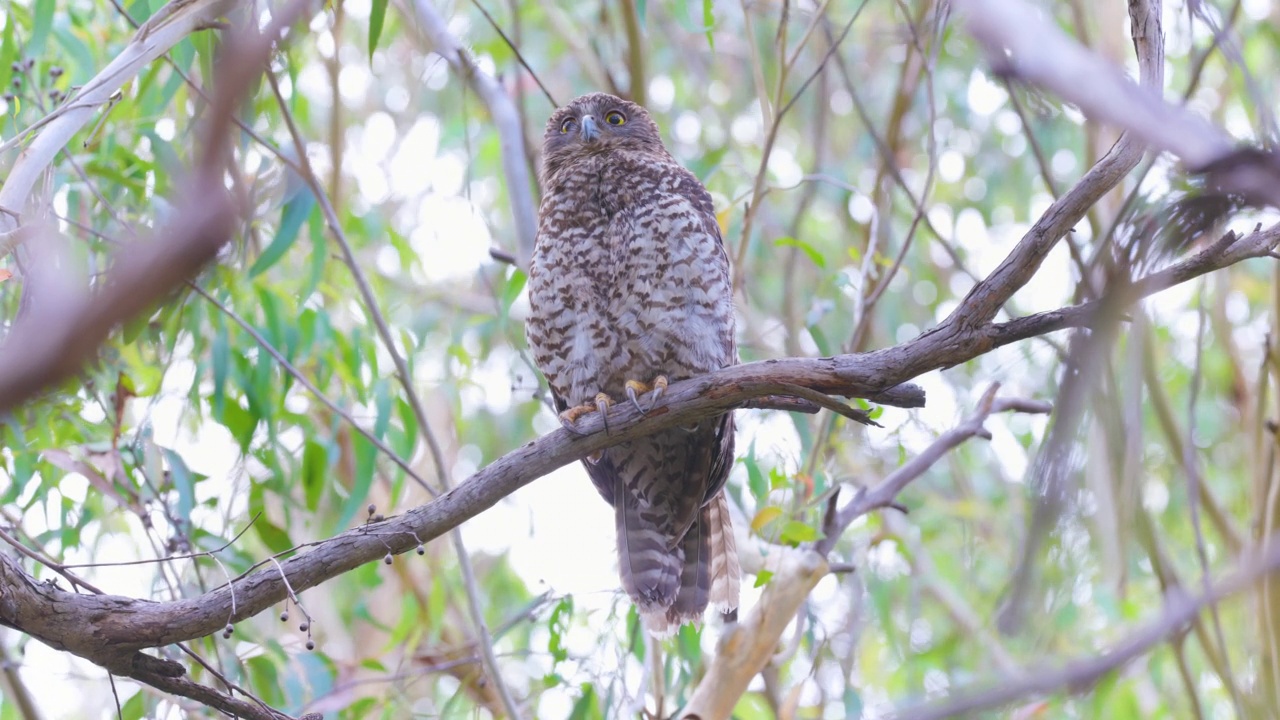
column 590, row 128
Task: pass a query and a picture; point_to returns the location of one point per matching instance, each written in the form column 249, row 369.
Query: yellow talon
column 636, row 388
column 601, row 404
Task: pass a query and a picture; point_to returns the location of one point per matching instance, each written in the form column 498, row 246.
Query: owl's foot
column 601, row 404
column 635, row 388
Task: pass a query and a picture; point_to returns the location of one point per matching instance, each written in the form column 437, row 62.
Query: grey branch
column 1076, row 676
column 169, row 26
column 53, row 339
column 1025, row 43
column 505, row 119
column 746, row 647
column 121, row 626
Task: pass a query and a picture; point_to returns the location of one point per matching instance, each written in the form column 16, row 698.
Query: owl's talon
column 659, row 386
column 601, row 404
column 636, row 388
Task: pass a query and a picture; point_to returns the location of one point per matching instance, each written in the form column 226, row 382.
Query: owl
column 630, row 289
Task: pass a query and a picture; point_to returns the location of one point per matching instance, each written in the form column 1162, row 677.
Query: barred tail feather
column 695, row 583
column 726, row 573
column 695, row 575
column 650, row 571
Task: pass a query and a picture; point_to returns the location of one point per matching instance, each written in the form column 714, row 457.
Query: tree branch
column 123, row 625
column 506, row 121
column 1079, row 675
column 170, row 25
column 1022, row 42
column 747, row 646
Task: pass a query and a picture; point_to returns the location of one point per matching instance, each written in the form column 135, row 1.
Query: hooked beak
column 590, row 130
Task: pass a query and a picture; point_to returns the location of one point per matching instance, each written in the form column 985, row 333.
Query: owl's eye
column 567, row 126
column 615, row 118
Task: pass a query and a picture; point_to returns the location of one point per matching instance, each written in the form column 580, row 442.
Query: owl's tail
column 703, row 566
column 651, row 570
column 726, row 573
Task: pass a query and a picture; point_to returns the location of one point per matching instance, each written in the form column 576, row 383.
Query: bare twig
column 1022, row 42
column 1079, row 675
column 506, row 121
column 886, row 492
column 745, row 648
column 516, row 49
column 405, row 377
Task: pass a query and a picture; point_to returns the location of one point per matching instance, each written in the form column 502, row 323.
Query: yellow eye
column 615, row 118
column 568, row 125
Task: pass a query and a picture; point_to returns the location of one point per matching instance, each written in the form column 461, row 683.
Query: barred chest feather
column 629, row 278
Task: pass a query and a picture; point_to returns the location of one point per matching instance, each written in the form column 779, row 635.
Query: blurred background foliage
column 902, row 171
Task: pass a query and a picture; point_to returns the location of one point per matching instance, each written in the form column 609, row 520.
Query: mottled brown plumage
column 630, row 285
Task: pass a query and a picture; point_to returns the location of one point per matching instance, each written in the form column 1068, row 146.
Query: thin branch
column 170, row 25
column 635, row 51
column 775, row 124
column 515, row 49
column 1195, row 482
column 1022, row 42
column 1079, row 675
column 746, row 647
column 48, row 562
column 886, row 492
column 310, row 386
column 506, row 122
column 405, row 378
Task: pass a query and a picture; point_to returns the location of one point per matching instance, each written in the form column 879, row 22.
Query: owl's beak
column 590, row 130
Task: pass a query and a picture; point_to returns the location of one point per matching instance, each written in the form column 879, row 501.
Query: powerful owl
column 630, row 289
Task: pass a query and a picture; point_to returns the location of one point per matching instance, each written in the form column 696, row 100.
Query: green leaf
column 183, row 482
column 41, row 24
column 135, row 707
column 766, row 515
column 315, row 271
column 820, row 339
column 315, row 468
column 8, row 53
column 239, row 421
column 755, row 478
column 270, row 304
column 273, row 536
column 365, row 454
column 763, row 577
column 814, row 256
column 377, row 15
column 689, row 641
column 295, row 213
column 382, row 402
column 515, row 284
column 709, row 22
column 753, row 706
column 795, row 532
column 220, row 354
column 139, row 10
column 133, row 327
column 558, row 625
column 588, row 706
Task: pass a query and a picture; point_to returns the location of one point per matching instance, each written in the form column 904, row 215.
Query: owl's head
column 595, row 124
